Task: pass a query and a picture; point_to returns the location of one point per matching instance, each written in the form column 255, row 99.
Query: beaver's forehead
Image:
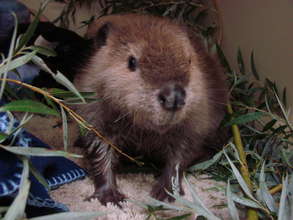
column 160, row 62
column 157, row 33
column 153, row 41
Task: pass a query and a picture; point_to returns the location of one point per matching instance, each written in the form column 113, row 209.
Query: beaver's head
column 145, row 67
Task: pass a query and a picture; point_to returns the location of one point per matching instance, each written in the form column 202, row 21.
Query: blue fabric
column 56, row 170
column 26, row 73
column 7, row 19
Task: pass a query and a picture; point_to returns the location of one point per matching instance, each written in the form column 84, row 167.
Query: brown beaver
column 161, row 96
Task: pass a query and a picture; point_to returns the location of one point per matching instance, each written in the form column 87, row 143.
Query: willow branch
column 76, row 116
column 251, row 214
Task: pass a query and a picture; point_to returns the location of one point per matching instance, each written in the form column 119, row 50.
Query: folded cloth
column 56, row 170
column 7, row 19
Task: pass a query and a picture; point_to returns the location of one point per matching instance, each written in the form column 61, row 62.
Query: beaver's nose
column 172, row 97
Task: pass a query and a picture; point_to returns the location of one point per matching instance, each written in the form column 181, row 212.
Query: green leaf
column 38, row 151
column 6, row 68
column 3, row 137
column 16, row 209
column 263, row 191
column 29, row 106
column 38, row 175
column 240, row 61
column 32, row 27
column 196, row 206
column 269, row 125
column 287, row 156
column 240, row 179
column 272, row 85
column 44, row 51
column 206, row 164
column 60, row 93
column 64, row 129
column 71, row 216
column 180, row 217
column 284, row 97
column 285, row 114
column 253, row 68
column 231, row 205
column 59, row 77
column 223, row 59
column 51, row 103
column 17, row 62
column 39, row 61
column 154, row 202
column 243, row 119
column 284, row 208
column 246, row 202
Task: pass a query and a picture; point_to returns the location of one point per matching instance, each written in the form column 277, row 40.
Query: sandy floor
column 134, row 186
column 137, row 187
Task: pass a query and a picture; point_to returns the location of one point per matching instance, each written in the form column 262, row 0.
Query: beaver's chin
column 150, row 126
column 162, row 127
column 159, row 123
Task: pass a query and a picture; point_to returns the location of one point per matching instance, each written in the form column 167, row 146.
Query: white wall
column 265, row 26
column 54, row 9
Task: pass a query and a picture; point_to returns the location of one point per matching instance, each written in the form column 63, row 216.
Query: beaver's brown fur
column 161, row 95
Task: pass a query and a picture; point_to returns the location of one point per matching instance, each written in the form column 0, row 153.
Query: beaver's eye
column 132, row 63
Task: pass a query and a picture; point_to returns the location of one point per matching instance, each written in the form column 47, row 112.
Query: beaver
column 161, row 95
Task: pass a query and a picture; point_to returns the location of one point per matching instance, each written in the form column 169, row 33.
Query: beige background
column 264, row 26
column 54, row 9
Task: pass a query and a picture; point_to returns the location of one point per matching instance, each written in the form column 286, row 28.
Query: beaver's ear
column 102, row 35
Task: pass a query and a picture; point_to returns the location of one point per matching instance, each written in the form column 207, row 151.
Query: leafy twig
column 77, row 117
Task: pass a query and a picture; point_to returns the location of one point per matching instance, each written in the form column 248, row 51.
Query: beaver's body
column 160, row 95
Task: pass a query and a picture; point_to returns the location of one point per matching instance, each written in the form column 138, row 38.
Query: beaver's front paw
column 109, row 195
column 159, row 192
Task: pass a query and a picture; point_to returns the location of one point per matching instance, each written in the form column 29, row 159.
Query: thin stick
column 251, row 213
column 276, row 189
column 77, row 117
